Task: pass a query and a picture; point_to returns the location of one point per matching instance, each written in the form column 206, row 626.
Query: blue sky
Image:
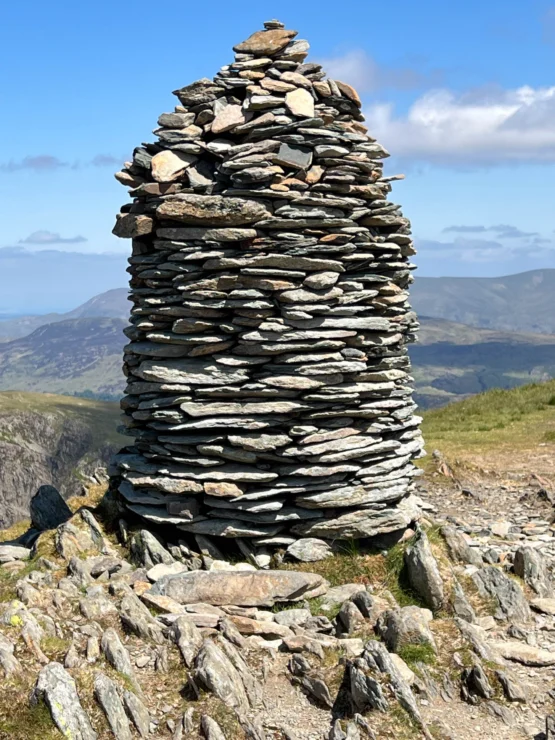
column 461, row 93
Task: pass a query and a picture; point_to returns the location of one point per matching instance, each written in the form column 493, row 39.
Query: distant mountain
column 451, row 361
column 73, row 357
column 522, row 302
column 80, row 353
column 112, row 304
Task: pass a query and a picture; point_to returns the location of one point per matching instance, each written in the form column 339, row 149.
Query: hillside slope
column 81, row 355
column 111, row 304
column 502, row 431
column 50, row 439
column 452, row 360
column 522, row 302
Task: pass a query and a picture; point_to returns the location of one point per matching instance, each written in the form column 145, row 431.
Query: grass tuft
column 413, row 654
column 26, row 722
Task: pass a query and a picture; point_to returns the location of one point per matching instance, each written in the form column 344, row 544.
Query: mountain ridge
column 520, row 302
column 110, row 304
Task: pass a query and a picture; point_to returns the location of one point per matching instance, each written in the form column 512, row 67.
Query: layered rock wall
column 269, row 388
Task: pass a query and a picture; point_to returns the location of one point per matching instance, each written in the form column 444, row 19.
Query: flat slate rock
column 212, row 210
column 239, row 588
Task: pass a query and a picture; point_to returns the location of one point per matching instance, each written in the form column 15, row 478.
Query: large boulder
column 48, row 509
column 240, row 588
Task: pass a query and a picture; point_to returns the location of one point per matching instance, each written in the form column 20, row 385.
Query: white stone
column 300, row 102
column 169, row 165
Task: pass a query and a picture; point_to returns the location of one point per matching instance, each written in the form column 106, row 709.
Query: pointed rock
column 57, row 689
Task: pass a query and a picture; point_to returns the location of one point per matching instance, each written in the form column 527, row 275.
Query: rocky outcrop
column 52, row 446
column 143, row 623
column 267, row 370
column 423, row 572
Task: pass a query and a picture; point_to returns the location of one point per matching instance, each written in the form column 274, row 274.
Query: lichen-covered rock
column 12, row 553
column 188, row 639
column 507, row 593
column 217, row 674
column 211, row 729
column 243, row 588
column 406, row 626
column 148, row 551
column 137, row 618
column 8, row 662
column 530, row 565
column 423, row 572
column 57, row 689
column 107, row 696
column 137, row 712
column 309, row 550
column 80, row 535
column 117, row 655
column 459, row 549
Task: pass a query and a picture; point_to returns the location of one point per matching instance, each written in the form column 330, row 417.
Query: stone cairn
column 268, row 393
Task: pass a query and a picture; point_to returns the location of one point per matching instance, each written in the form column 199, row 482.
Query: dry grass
column 19, row 720
column 91, row 500
column 351, row 566
column 15, row 531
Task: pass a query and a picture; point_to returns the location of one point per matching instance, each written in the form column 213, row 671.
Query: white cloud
column 482, row 127
column 365, row 74
column 49, row 163
column 49, row 237
column 465, row 250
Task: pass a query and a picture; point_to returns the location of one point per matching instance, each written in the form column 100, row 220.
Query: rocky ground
column 109, row 631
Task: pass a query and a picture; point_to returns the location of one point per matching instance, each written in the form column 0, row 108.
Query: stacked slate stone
column 268, row 392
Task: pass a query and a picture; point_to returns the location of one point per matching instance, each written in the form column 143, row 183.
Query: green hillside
column 71, row 357
column 501, row 429
column 452, row 360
